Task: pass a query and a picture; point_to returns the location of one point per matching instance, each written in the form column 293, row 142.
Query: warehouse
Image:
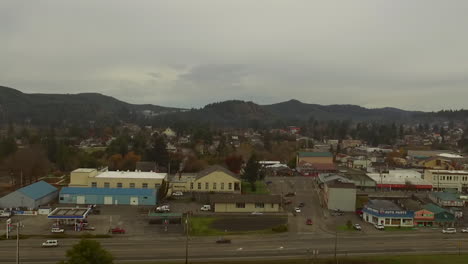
column 245, row 203
column 31, row 196
column 107, row 196
column 340, row 195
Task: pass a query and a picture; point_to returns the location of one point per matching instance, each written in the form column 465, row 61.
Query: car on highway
column 297, row 210
column 379, row 227
column 357, row 227
column 449, row 230
column 50, row 243
column 464, row 230
column 309, row 221
column 117, row 230
column 57, row 230
column 223, row 241
column 257, row 213
column 177, row 194
column 301, row 205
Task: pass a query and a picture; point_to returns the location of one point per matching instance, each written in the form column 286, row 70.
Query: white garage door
column 80, row 200
column 134, row 200
column 108, row 200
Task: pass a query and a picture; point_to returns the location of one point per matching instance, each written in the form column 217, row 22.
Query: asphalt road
column 274, row 247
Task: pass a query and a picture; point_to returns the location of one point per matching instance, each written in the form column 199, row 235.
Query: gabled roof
column 107, row 191
column 37, row 190
column 302, row 154
column 214, row 168
column 435, row 209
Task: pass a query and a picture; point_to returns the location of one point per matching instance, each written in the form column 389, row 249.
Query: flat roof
column 86, row 170
column 132, row 175
column 383, row 205
column 69, row 213
column 106, row 191
column 449, row 171
column 314, row 154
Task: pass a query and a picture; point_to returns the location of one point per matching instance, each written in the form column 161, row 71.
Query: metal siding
column 16, row 199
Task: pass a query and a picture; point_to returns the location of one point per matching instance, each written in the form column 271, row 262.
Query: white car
column 357, row 227
column 163, row 208
column 50, row 243
column 178, row 194
column 464, row 230
column 206, row 207
column 57, row 230
column 449, row 230
column 257, row 213
column 297, row 210
column 379, row 227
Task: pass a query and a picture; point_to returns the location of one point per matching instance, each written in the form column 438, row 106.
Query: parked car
column 337, row 212
column 357, row 227
column 297, row 210
column 117, row 230
column 163, row 208
column 89, row 228
column 449, row 230
column 379, row 227
column 50, row 243
column 301, row 205
column 287, row 202
column 290, row 194
column 464, row 230
column 223, row 241
column 57, row 230
column 309, row 221
column 256, row 213
column 269, row 182
column 177, row 194
column 206, row 207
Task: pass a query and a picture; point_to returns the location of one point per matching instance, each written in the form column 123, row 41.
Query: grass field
column 261, row 188
column 409, row 259
column 218, row 226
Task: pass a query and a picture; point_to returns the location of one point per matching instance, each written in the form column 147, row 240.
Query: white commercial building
column 447, row 179
column 400, row 179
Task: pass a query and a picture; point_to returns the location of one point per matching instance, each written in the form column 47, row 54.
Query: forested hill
column 46, row 109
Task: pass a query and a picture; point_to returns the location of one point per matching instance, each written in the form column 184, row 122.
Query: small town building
column 422, row 217
column 314, row 157
column 245, row 203
column 85, row 177
column 447, row 179
column 400, row 179
column 360, row 179
column 442, row 217
column 213, row 179
column 387, row 213
column 340, row 195
column 107, row 196
column 31, row 196
column 447, row 199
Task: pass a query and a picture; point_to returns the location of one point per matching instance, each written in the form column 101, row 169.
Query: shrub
column 280, row 228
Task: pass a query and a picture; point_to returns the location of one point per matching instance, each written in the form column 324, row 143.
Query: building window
column 61, row 198
column 222, row 186
column 259, row 205
column 132, row 185
column 119, row 185
column 106, row 185
column 94, row 184
column 145, row 197
column 230, row 186
column 272, row 205
column 191, row 186
column 207, row 186
column 199, row 186
column 240, row 205
column 214, row 185
column 144, row 185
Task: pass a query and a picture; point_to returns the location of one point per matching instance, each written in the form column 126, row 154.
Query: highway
column 247, row 248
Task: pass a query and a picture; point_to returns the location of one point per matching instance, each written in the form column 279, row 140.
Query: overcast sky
column 407, row 54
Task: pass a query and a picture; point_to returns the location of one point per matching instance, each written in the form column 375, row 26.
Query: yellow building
column 212, row 179
column 245, row 203
column 116, row 179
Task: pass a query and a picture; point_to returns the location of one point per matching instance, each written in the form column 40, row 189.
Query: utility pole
column 336, row 245
column 186, row 238
column 17, row 243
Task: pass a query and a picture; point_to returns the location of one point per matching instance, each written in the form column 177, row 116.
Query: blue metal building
column 125, row 196
column 31, row 196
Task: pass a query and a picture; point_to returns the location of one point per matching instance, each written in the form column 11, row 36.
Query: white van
column 206, row 207
column 50, row 243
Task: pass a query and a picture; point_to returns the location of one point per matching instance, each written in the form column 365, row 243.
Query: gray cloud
column 407, row 54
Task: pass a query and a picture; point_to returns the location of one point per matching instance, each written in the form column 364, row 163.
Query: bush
column 280, row 228
column 349, row 224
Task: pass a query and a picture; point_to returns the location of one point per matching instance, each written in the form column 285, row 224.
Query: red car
column 309, row 222
column 117, row 230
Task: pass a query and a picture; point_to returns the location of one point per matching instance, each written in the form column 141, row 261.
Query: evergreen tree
column 251, row 172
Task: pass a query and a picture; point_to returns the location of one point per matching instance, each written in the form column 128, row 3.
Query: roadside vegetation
column 260, row 188
column 213, row 226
